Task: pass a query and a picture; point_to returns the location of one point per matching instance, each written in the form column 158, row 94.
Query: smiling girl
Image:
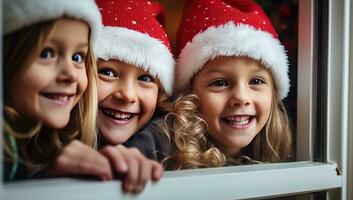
column 49, row 81
column 135, row 69
column 232, row 75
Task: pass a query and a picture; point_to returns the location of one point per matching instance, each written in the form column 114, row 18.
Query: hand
column 135, row 167
column 80, row 159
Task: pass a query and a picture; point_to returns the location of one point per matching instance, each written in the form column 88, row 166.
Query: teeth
column 58, row 97
column 61, row 98
column 239, row 121
column 118, row 115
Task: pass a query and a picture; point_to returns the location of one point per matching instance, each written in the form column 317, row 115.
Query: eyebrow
column 213, row 71
column 260, row 70
column 59, row 43
column 82, row 45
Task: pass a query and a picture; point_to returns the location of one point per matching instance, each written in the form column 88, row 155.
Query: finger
column 145, row 172
column 131, row 179
column 157, row 171
column 116, row 157
column 81, row 159
column 97, row 165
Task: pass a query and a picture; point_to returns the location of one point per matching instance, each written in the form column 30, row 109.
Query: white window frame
column 350, row 117
column 338, row 91
column 255, row 181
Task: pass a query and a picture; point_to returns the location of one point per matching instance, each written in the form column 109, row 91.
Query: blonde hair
column 194, row 147
column 44, row 144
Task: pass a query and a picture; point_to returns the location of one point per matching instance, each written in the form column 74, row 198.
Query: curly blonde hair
column 194, row 147
column 43, row 144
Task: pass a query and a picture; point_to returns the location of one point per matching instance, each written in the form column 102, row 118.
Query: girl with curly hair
column 232, row 74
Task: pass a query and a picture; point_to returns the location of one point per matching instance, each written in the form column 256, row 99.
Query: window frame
column 272, row 180
column 338, row 91
column 350, row 116
column 255, row 181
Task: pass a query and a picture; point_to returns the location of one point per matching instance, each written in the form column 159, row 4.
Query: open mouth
column 59, row 98
column 117, row 115
column 240, row 120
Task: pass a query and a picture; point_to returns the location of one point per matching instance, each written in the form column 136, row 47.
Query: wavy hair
column 43, row 144
column 194, row 147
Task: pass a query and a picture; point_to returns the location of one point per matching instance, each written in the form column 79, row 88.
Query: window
column 322, row 133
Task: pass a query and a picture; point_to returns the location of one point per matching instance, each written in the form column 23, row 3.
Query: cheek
column 210, row 103
column 28, row 84
column 264, row 106
column 23, row 92
column 149, row 100
column 104, row 90
column 83, row 81
column 211, row 107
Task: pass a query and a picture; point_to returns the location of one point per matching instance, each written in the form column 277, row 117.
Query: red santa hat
column 133, row 33
column 21, row 13
column 212, row 28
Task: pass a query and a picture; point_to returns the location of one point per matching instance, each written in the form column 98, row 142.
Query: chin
column 56, row 123
column 115, row 140
column 243, row 144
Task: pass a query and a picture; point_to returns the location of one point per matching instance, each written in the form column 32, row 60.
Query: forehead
column 121, row 65
column 232, row 63
column 68, row 26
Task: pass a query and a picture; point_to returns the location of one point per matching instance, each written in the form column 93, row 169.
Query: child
column 50, row 96
column 232, row 75
column 135, row 70
column 49, row 81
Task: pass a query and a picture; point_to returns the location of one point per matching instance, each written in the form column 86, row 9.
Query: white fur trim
column 21, row 13
column 234, row 40
column 140, row 50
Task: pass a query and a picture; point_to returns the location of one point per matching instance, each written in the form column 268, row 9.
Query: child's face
column 235, row 100
column 127, row 98
column 48, row 88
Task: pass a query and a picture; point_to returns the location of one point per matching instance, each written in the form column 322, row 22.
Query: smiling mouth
column 58, row 98
column 117, row 115
column 243, row 120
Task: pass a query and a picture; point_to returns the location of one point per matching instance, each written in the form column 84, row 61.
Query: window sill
column 267, row 180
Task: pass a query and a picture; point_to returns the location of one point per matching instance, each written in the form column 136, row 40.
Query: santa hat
column 21, row 13
column 212, row 28
column 133, row 33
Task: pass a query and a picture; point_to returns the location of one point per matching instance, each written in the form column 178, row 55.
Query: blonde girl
column 49, row 81
column 135, row 70
column 232, row 75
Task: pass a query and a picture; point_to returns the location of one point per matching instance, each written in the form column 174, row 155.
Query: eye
column 78, row 57
column 219, row 83
column 145, row 78
column 107, row 72
column 47, row 53
column 256, row 81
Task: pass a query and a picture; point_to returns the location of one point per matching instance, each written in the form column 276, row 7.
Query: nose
column 125, row 91
column 240, row 96
column 68, row 71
